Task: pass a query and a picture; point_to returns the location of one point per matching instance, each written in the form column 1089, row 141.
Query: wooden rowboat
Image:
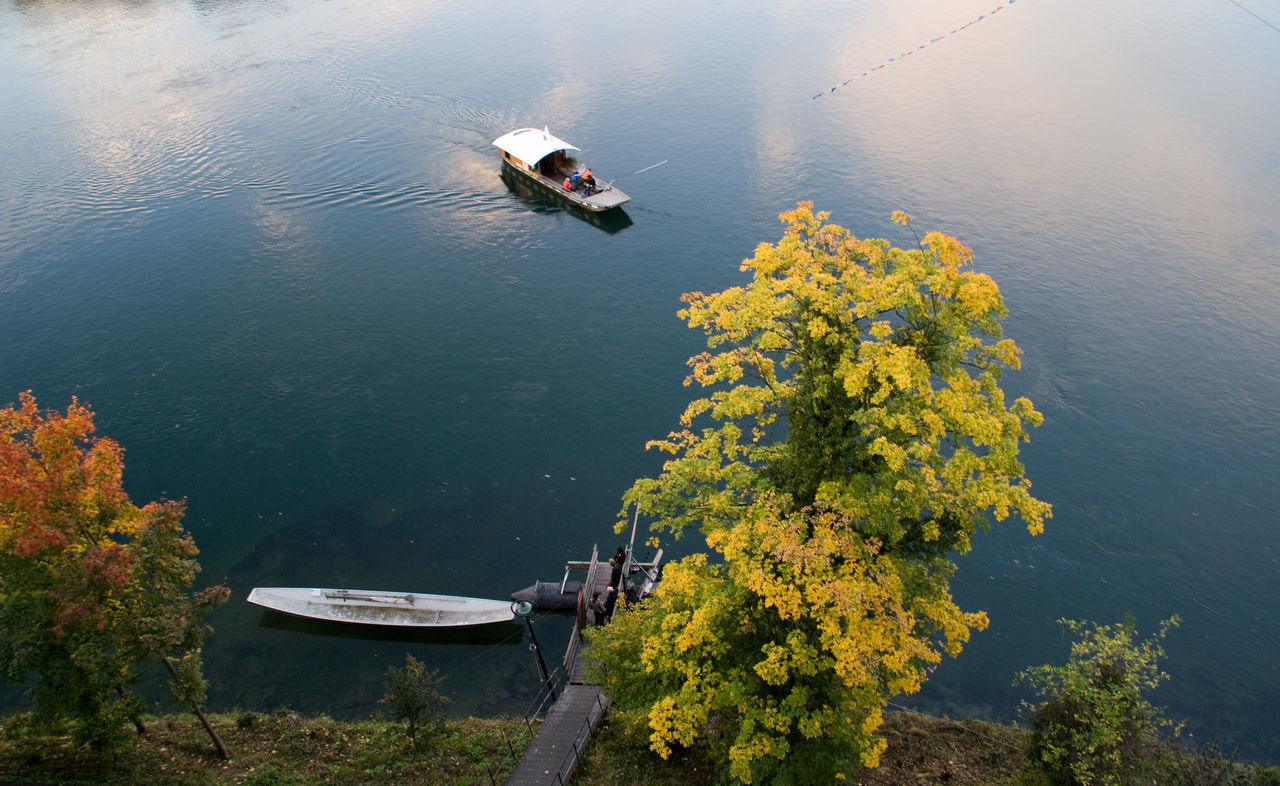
column 375, row 607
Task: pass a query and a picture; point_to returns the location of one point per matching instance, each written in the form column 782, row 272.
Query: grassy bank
column 279, row 749
column 921, row 750
column 284, row 749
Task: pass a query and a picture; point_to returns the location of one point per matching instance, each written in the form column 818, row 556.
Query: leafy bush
column 414, row 696
column 1094, row 724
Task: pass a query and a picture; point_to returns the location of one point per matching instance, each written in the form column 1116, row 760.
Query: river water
column 269, row 243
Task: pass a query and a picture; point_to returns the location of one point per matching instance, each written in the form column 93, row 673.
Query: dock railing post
column 524, row 609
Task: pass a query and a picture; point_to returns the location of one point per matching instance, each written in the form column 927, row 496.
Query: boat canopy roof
column 531, row 145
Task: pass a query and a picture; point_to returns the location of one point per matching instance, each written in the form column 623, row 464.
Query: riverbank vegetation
column 285, row 749
column 921, row 750
column 1092, row 725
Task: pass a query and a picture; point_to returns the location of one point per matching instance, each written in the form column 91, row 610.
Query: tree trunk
column 213, row 734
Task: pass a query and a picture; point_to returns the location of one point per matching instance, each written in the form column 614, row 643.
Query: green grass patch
column 276, row 749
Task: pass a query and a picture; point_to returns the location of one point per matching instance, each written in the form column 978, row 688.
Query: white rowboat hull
column 376, row 607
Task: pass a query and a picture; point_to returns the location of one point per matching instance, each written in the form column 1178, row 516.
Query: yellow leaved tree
column 854, row 438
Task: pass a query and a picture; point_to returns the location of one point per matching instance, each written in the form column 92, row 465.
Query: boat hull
column 376, row 607
column 609, row 199
column 547, row 596
column 539, row 197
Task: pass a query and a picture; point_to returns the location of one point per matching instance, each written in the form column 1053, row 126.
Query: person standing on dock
column 615, row 572
column 598, row 609
column 610, row 601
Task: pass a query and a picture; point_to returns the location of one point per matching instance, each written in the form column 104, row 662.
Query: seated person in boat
column 574, row 181
column 589, row 182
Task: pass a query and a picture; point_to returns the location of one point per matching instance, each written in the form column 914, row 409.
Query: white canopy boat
column 543, row 159
column 375, row 607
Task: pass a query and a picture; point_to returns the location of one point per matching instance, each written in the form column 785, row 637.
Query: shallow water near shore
column 270, row 244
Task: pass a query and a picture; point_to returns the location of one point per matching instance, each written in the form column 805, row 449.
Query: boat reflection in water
column 611, row 221
column 502, row 633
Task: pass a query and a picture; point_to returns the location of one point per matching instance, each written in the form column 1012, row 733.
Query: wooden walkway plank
column 553, row 754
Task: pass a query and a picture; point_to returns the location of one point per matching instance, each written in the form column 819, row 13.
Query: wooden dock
column 554, row 752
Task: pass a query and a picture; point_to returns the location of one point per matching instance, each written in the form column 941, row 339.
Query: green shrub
column 1094, row 725
column 414, row 696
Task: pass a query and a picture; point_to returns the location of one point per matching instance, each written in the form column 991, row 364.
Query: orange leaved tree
column 92, row 587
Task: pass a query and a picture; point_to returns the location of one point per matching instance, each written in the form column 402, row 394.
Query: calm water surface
column 269, row 243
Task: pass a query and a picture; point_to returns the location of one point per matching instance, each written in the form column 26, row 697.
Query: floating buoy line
column 910, row 52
